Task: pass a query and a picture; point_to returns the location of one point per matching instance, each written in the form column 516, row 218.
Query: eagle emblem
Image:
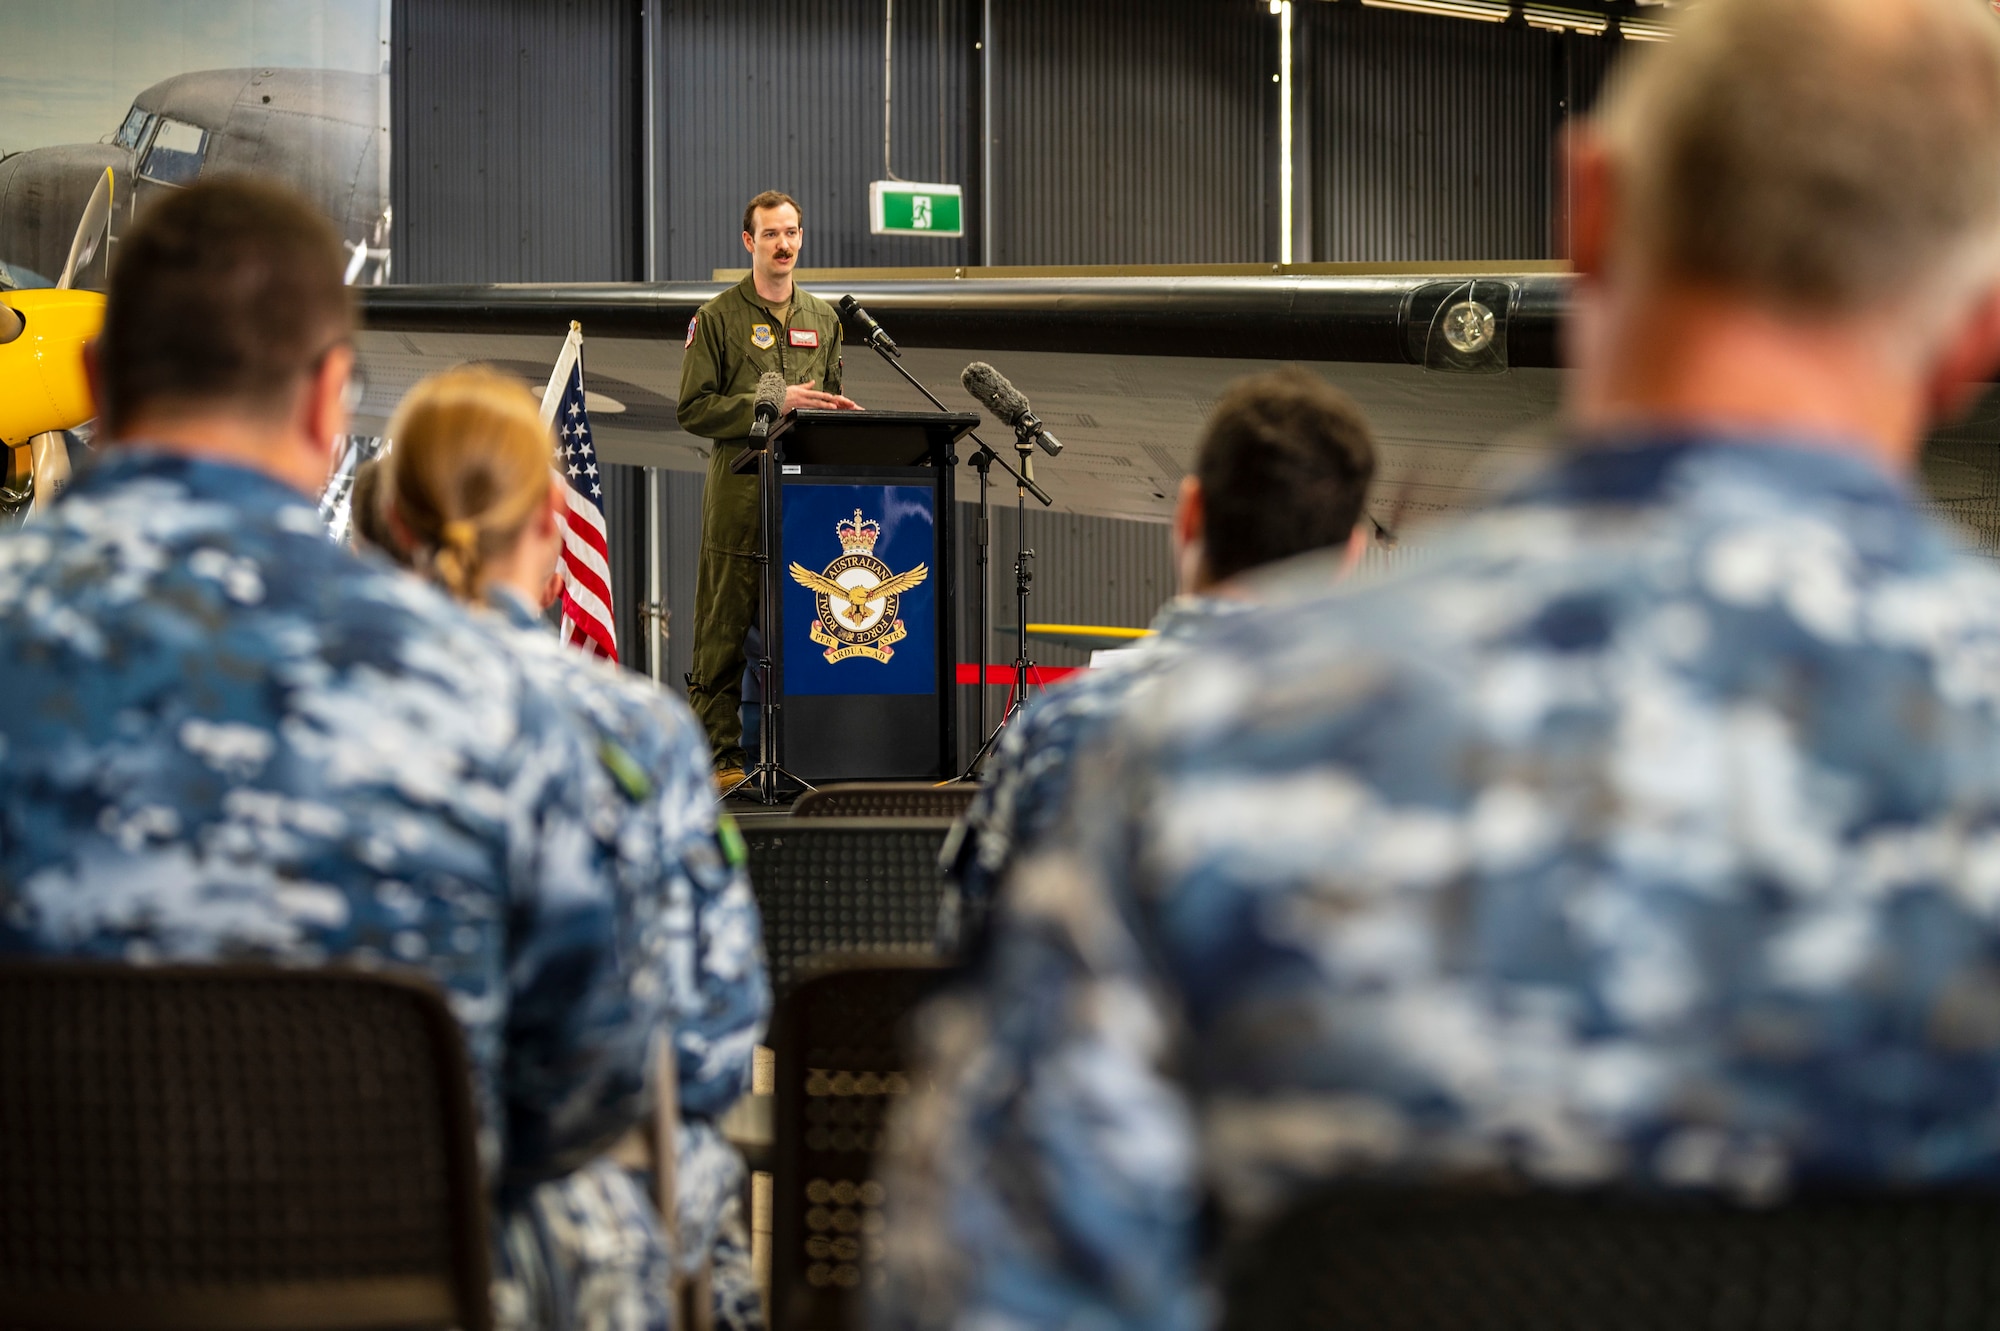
column 857, row 595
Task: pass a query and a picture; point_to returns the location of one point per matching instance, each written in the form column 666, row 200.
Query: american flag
column 586, row 566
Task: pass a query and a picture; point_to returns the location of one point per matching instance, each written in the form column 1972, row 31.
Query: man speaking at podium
column 762, row 324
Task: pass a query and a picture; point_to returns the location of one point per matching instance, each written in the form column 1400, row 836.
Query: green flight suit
column 733, row 341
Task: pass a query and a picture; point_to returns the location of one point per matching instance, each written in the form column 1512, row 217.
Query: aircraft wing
column 1123, row 370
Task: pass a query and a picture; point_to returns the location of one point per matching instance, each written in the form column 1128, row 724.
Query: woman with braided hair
column 467, row 496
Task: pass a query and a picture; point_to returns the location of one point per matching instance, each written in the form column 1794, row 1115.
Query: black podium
column 859, row 608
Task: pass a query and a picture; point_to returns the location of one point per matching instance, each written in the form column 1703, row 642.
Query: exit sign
column 907, row 208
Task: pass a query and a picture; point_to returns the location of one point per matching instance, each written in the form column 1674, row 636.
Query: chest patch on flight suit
column 805, row 337
column 761, row 338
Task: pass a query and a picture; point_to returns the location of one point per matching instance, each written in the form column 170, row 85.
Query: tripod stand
column 763, row 776
column 1024, row 579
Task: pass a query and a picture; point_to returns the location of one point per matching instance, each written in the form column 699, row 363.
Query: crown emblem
column 858, row 534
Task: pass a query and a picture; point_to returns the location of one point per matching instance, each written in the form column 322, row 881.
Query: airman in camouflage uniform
column 467, row 497
column 732, row 342
column 1647, row 835
column 229, row 738
column 1282, row 470
column 689, row 925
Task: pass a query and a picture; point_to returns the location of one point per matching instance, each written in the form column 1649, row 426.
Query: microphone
column 871, row 332
column 769, row 403
column 1007, row 403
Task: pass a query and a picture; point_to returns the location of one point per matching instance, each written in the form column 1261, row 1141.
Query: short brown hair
column 1825, row 156
column 223, row 295
column 1284, row 467
column 770, row 198
column 469, row 461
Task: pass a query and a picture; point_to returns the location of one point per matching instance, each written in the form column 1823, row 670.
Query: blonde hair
column 469, row 463
column 1829, row 157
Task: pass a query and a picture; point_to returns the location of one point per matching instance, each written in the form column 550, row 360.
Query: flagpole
column 572, row 350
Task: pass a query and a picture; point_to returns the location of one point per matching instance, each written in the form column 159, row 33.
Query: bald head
column 1821, row 157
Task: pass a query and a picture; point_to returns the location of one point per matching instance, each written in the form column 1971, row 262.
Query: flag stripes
column 587, row 621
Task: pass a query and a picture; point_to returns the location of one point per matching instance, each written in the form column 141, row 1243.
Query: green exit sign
column 908, row 208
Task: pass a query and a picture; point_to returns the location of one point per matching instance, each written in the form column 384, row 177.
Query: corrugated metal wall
column 516, row 140
column 680, row 547
column 1432, row 138
column 1118, row 137
column 787, row 94
column 1128, row 134
column 624, row 503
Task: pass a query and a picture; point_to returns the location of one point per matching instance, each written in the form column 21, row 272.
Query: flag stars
column 585, row 598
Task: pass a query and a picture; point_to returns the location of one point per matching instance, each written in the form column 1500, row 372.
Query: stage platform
column 858, row 799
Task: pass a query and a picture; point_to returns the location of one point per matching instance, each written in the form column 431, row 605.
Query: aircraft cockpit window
column 175, row 157
column 133, row 132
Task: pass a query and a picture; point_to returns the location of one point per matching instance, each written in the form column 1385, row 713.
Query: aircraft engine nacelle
column 42, row 384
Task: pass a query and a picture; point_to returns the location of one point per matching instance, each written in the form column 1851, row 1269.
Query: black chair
column 1373, row 1258
column 841, row 1060
column 845, row 885
column 235, row 1147
column 886, row 799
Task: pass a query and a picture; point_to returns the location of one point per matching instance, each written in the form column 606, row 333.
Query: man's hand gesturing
column 806, row 396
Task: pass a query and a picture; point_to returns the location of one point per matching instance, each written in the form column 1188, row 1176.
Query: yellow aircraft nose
column 42, row 385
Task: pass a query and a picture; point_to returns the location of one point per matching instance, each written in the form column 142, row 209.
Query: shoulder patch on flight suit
column 805, row 337
column 692, row 325
column 761, row 337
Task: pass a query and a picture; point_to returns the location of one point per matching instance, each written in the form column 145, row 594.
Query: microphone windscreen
column 994, row 393
column 770, row 393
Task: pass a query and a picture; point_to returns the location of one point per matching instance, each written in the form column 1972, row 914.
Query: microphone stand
column 1024, row 483
column 1024, row 578
column 763, row 777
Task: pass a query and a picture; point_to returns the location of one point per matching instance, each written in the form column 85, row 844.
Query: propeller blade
column 92, row 231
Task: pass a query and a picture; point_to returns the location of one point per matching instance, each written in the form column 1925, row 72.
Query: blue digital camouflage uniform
column 1028, row 781
column 590, row 1243
column 228, row 738
column 1650, row 831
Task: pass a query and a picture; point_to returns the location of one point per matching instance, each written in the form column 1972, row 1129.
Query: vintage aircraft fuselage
column 320, row 131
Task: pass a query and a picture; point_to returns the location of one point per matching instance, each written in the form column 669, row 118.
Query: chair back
column 233, row 1147
column 1373, row 1258
column 845, row 885
column 842, row 1060
column 886, row 799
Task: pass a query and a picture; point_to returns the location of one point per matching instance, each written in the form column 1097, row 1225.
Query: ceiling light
column 1640, row 30
column 1487, row 11
column 1557, row 20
